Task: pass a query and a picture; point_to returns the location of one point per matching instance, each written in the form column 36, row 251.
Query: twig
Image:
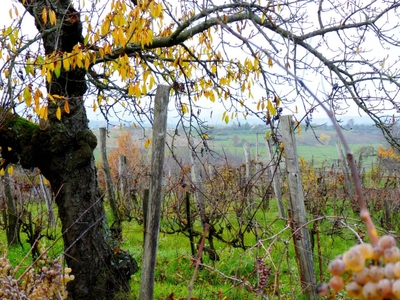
column 234, row 279
column 198, row 260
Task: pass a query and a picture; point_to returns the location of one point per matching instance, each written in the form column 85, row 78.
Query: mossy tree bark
column 10, row 215
column 64, row 154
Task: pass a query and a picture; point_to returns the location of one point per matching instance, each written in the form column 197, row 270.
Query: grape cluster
column 366, row 272
column 47, row 279
column 263, row 274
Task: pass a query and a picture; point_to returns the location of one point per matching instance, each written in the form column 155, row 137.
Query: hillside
column 317, row 144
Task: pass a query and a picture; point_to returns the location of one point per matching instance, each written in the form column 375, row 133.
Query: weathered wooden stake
column 154, row 205
column 107, row 172
column 248, row 163
column 197, row 180
column 345, row 170
column 190, row 223
column 10, row 215
column 145, row 203
column 47, row 200
column 122, row 175
column 276, row 182
column 300, row 232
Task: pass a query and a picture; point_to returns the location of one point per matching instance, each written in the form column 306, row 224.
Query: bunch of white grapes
column 366, row 272
column 47, row 280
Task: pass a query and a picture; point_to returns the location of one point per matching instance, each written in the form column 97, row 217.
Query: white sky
column 315, row 83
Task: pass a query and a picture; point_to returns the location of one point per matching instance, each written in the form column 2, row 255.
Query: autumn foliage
column 388, row 153
column 126, row 147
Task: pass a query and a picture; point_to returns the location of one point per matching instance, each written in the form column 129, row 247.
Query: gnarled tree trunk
column 63, row 151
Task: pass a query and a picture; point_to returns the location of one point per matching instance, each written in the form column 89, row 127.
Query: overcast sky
column 315, row 83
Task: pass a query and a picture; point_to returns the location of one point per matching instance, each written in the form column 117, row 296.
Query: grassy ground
column 222, row 278
column 175, row 265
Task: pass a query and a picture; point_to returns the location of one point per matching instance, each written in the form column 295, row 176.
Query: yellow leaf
column 66, row 64
column 10, row 170
column 271, row 108
column 211, row 96
column 45, row 181
column 53, row 17
column 66, row 107
column 58, row 113
column 152, row 82
column 87, row 63
column 226, row 119
column 184, row 108
column 105, row 27
column 205, row 136
column 48, row 76
column 147, row 143
column 43, row 112
column 383, row 63
column 277, row 101
column 1, row 172
column 38, row 95
column 268, row 135
column 270, row 62
column 303, row 161
column 131, row 89
column 44, row 15
column 258, row 105
column 27, row 96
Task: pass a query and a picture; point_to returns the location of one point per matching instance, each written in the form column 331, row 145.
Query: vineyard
column 248, row 247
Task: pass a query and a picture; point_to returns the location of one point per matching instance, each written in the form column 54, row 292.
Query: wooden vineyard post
column 197, row 180
column 48, row 201
column 190, row 223
column 122, row 175
column 345, row 170
column 107, row 172
column 275, row 174
column 145, row 202
column 248, row 163
column 297, row 215
column 155, row 195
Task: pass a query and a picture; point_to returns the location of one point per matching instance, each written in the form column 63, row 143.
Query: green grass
column 174, row 268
